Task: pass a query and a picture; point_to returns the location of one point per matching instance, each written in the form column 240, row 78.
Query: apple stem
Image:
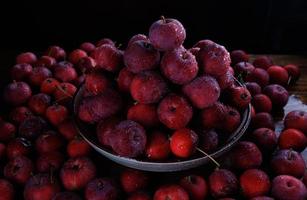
column 290, row 154
column 163, row 19
column 210, row 157
column 289, row 80
column 67, row 94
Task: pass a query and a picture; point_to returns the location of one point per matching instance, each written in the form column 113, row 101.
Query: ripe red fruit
column 253, row 88
column 243, row 68
column 183, row 142
column 56, row 52
column 86, row 64
column 226, row 80
column 105, row 41
column 19, row 169
column 223, row 183
column 239, row 96
column 18, row 147
column 93, row 109
column 140, row 56
column 6, row 190
column 238, row 56
column 64, row 92
column 27, row 57
column 246, row 155
column 203, row 43
column 259, row 76
column 209, row 141
column 105, row 129
column 231, row 121
column 49, row 85
column 170, row 192
column 65, row 73
column 254, row 182
column 166, row 34
column 278, row 75
column 293, row 71
column 214, row 59
column 32, row 127
column 179, row 66
column 196, row 186
column 148, row 87
column 17, row 93
column 263, row 120
column 49, row 162
column 56, row 114
column 296, row 119
column 19, row 114
column 286, row 187
column 66, row 196
column 145, row 114
column 278, row 95
column 212, row 117
column 174, row 111
column 75, row 56
column 124, row 79
column 292, row 139
column 68, row 129
column 158, row 146
column 48, row 142
column 203, row 91
column 262, row 103
column 265, row 139
column 41, row 187
column 45, row 61
column 129, row 139
column 21, row 71
column 107, row 57
column 78, row 147
column 100, row 189
column 253, row 112
column 76, row 173
column 96, row 83
column 231, row 70
column 263, row 62
column 139, row 196
column 138, row 37
column 7, row 131
column 133, row 180
column 87, row 47
column 288, row 162
column 38, row 103
column 38, row 75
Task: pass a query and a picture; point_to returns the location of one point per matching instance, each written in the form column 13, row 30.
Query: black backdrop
column 263, row 26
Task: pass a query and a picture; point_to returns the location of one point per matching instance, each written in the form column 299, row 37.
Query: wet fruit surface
column 155, row 100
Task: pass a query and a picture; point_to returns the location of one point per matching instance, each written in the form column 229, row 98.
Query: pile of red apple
column 155, row 100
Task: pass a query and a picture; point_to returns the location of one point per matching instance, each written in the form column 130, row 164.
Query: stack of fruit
column 186, row 94
column 155, row 100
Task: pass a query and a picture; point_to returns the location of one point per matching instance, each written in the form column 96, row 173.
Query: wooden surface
column 300, row 88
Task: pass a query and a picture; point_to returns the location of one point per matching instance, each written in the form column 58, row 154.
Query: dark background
column 271, row 26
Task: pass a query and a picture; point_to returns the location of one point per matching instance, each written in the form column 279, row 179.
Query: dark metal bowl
column 166, row 166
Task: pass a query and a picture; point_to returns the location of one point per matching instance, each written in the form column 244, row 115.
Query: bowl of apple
column 169, row 108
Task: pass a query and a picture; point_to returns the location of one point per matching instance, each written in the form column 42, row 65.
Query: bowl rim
column 232, row 139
